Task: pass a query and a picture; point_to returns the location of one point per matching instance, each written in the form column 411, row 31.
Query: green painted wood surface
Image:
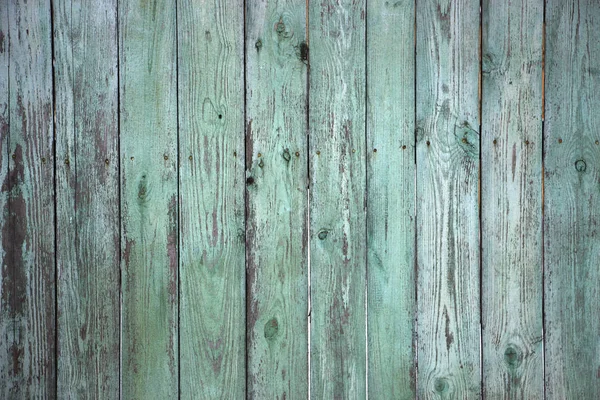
column 87, row 198
column 276, row 226
column 337, row 156
column 572, row 200
column 391, row 199
column 511, row 199
column 27, row 315
column 212, row 185
column 447, row 199
column 149, row 209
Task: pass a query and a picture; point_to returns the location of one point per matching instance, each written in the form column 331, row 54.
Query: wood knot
column 513, row 356
column 271, row 329
column 323, row 234
column 286, row 155
column 580, row 165
column 441, row 385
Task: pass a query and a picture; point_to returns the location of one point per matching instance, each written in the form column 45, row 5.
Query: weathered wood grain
column 212, row 185
column 572, row 200
column 276, row 226
column 338, row 181
column 27, row 302
column 149, row 243
column 447, row 199
column 511, row 199
column 391, row 199
column 87, row 197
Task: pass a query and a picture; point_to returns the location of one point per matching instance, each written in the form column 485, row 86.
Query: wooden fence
column 282, row 199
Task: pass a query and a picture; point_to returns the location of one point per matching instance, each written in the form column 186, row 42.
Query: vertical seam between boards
column 366, row 199
column 177, row 205
column 245, row 133
column 543, row 246
column 480, row 202
column 119, row 195
column 308, row 195
column 415, row 338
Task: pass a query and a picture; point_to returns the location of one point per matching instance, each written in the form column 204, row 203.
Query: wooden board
column 212, row 185
column 87, row 197
column 27, row 294
column 511, row 199
column 447, row 199
column 148, row 148
column 391, row 199
column 337, row 156
column 572, row 200
column 276, row 226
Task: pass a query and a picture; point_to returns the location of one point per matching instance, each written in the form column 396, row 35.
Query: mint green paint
column 212, row 184
column 511, row 199
column 148, row 115
column 447, row 246
column 277, row 228
column 391, row 199
column 572, row 200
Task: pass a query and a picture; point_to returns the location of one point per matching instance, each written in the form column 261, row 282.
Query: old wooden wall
column 284, row 199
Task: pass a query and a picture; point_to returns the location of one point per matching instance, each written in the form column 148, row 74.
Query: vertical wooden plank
column 87, row 196
column 277, row 263
column 391, row 199
column 338, row 182
column 511, row 199
column 211, row 120
column 572, row 200
column 148, row 115
column 27, row 305
column 447, row 199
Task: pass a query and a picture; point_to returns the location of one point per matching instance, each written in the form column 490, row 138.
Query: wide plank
column 511, row 199
column 391, row 199
column 337, row 157
column 447, row 199
column 27, row 294
column 87, row 198
column 572, row 200
column 277, row 225
column 149, row 206
column 212, row 186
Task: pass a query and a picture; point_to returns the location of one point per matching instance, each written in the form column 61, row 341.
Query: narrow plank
column 337, row 198
column 87, row 197
column 27, row 303
column 511, row 199
column 391, row 199
column 212, row 185
column 447, row 199
column 572, row 200
column 148, row 121
column 276, row 226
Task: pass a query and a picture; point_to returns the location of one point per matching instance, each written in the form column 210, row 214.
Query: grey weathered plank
column 572, row 200
column 87, row 197
column 276, row 226
column 511, row 199
column 148, row 154
column 27, row 331
column 447, row 199
column 212, row 182
column 391, row 199
column 338, row 181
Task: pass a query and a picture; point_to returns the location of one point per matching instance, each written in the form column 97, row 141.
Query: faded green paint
column 447, row 199
column 337, row 191
column 276, row 227
column 391, row 199
column 572, row 200
column 87, row 198
column 211, row 120
column 27, row 287
column 511, row 199
column 148, row 115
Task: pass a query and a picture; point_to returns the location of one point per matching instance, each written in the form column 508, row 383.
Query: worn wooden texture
column 212, row 185
column 447, row 199
column 27, row 309
column 511, row 199
column 572, row 200
column 276, row 226
column 391, row 199
column 337, row 181
column 148, row 146
column 87, row 197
